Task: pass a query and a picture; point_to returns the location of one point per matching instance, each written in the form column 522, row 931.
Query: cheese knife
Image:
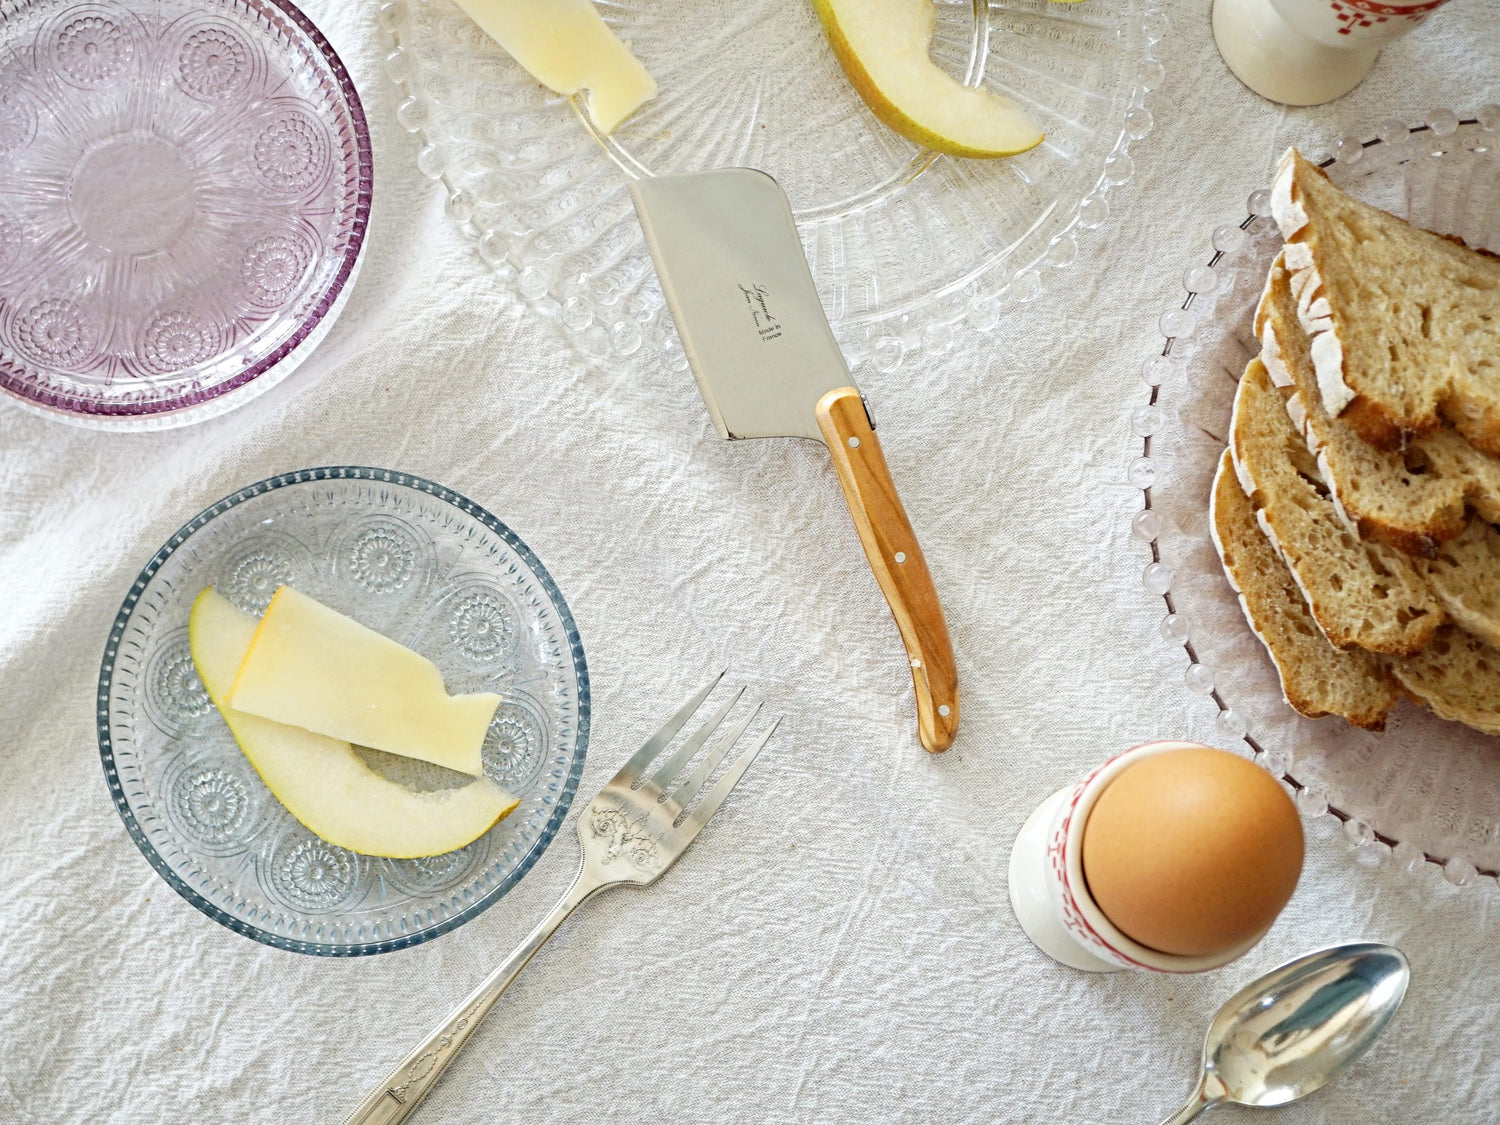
column 737, row 282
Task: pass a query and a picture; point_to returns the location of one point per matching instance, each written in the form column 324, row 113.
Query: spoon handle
column 1187, row 1113
column 1196, row 1104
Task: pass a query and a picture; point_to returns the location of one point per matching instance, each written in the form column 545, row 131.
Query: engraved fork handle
column 399, row 1091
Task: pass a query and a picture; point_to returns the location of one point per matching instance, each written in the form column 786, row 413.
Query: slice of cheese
column 567, row 47
column 314, row 668
column 322, row 781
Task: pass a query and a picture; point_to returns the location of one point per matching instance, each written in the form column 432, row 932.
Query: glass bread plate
column 903, row 247
column 1425, row 790
column 183, row 196
column 414, row 561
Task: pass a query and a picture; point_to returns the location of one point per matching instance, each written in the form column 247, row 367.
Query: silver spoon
column 1296, row 1028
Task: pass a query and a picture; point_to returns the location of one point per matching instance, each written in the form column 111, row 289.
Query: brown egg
column 1192, row 851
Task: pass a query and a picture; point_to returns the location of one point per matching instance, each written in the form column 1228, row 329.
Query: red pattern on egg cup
column 1072, row 913
column 1356, row 16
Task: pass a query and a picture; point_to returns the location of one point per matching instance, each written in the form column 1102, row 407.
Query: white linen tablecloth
column 839, row 945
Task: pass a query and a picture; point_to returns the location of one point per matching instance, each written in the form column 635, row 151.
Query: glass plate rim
column 181, row 409
column 308, row 476
column 1259, row 207
column 886, row 341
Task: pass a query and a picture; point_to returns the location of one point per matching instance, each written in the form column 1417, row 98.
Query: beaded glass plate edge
column 882, row 340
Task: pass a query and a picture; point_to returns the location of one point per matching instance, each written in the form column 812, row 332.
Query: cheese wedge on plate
column 322, row 781
column 312, row 667
column 567, row 47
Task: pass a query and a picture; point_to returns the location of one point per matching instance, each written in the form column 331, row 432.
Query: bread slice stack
column 1355, row 508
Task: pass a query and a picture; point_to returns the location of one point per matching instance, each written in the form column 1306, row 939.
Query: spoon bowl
column 1298, row 1027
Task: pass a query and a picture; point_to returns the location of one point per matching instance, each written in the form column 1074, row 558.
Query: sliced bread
column 1413, row 500
column 1465, row 576
column 1360, row 593
column 1404, row 324
column 1316, row 678
column 1458, row 676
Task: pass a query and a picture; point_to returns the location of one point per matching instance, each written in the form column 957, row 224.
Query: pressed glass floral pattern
column 183, row 198
column 406, row 557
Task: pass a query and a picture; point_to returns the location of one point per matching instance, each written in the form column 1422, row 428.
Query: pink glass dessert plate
column 1425, row 791
column 184, row 190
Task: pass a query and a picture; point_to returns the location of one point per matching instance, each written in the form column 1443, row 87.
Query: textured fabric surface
column 839, row 945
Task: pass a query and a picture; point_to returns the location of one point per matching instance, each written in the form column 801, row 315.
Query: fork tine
column 710, row 804
column 631, row 771
column 689, row 788
column 673, row 765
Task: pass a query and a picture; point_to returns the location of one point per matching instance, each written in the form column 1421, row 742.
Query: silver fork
column 630, row 833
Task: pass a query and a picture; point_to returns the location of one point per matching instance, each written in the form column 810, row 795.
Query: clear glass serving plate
column 416, row 562
column 184, row 190
column 1425, row 790
column 903, row 245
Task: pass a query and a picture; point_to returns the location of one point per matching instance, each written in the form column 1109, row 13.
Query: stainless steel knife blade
column 736, row 279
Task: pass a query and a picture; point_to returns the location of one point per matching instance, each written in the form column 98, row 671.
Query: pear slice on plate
column 310, row 666
column 322, row 781
column 884, row 48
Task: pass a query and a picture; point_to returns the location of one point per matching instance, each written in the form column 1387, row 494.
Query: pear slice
column 321, row 781
column 312, row 667
column 567, row 47
column 884, row 47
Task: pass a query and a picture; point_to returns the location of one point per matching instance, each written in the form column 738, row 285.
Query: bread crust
column 1355, row 534
column 1316, row 678
column 1414, row 500
column 1457, row 676
column 1432, row 307
column 1362, row 595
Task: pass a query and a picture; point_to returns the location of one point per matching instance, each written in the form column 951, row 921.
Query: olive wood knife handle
column 896, row 558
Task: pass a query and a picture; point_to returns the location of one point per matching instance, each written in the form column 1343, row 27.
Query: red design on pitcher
column 1355, row 14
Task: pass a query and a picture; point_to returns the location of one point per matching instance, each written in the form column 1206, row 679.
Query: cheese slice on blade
column 322, row 781
column 312, row 667
column 567, row 47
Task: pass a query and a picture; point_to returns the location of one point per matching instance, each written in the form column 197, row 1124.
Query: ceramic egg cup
column 1051, row 897
column 1308, row 52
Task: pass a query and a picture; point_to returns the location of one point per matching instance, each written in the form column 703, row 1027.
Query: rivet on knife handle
column 896, row 558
